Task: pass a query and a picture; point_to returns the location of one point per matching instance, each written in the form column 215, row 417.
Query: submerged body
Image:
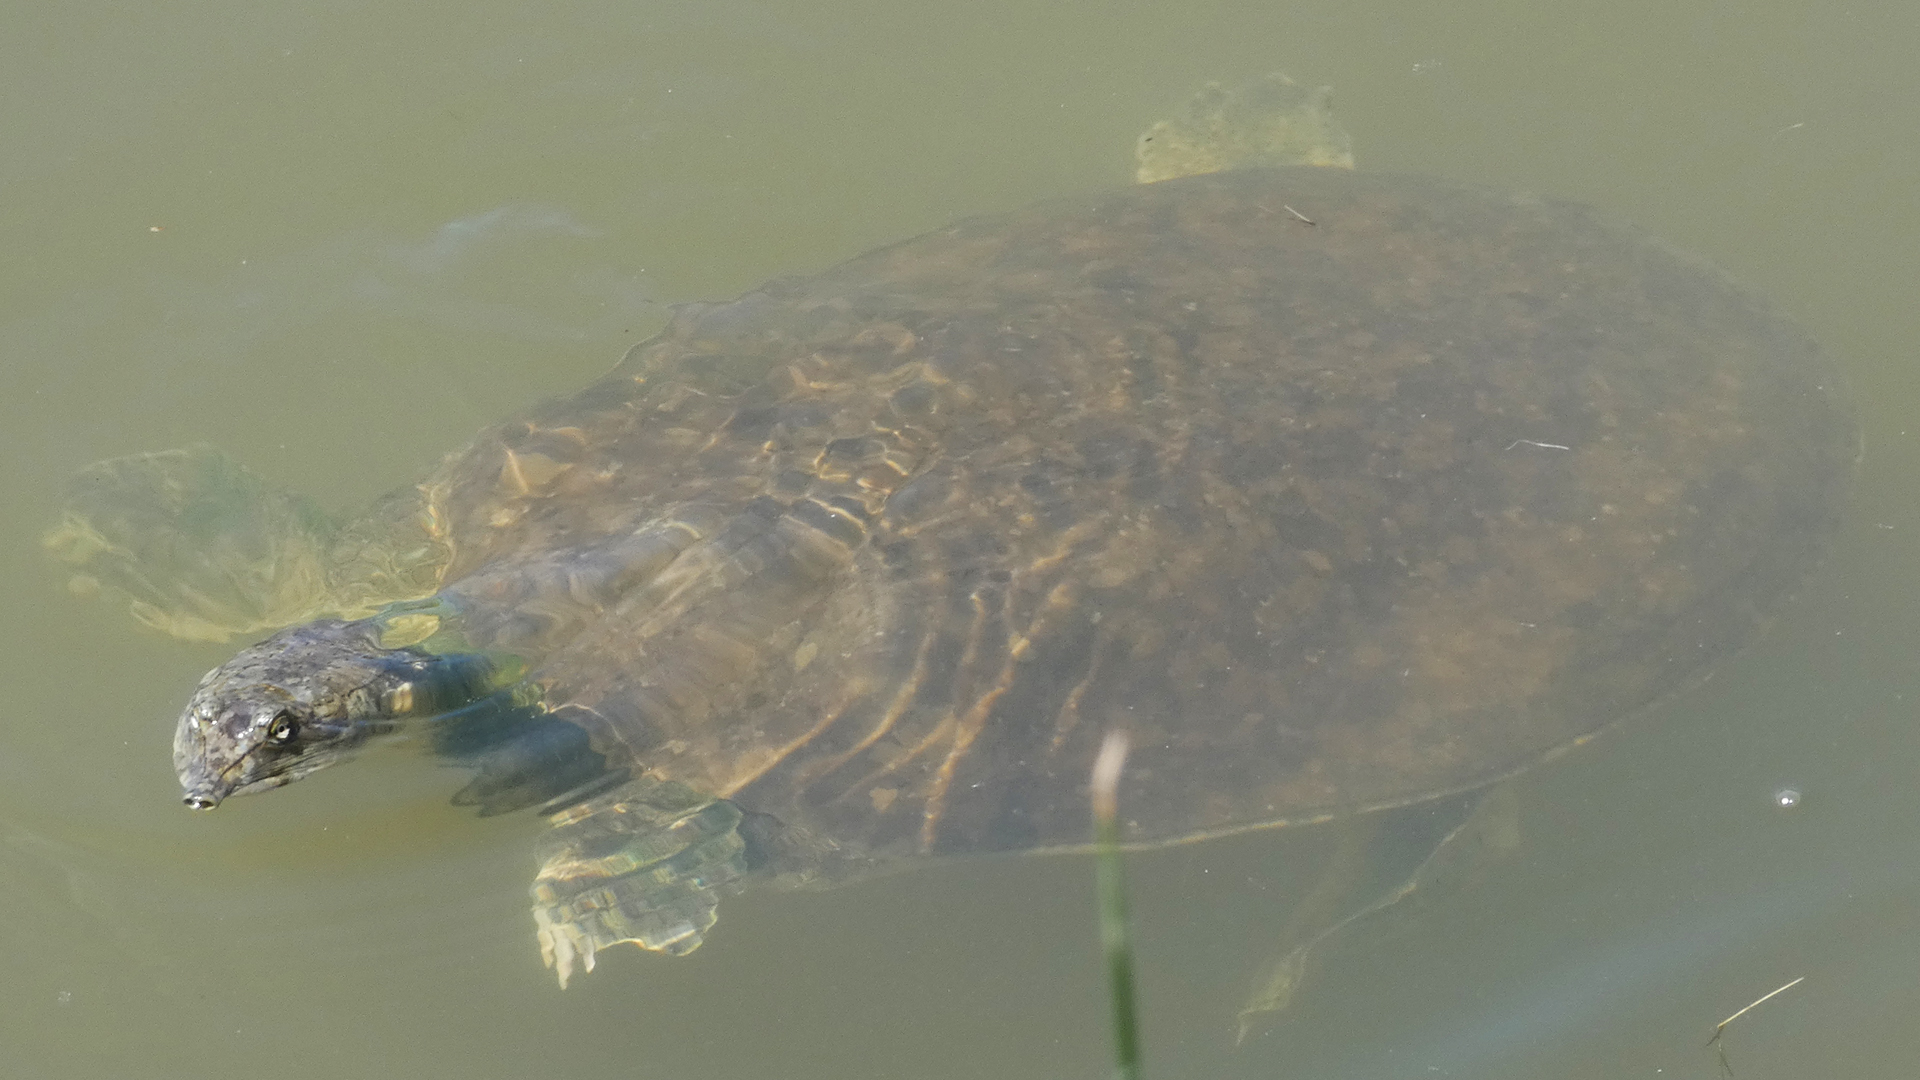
column 1336, row 491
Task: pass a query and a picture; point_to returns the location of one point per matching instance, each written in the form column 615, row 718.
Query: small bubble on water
column 64, row 997
column 1787, row 798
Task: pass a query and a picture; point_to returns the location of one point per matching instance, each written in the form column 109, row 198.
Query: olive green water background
column 336, row 238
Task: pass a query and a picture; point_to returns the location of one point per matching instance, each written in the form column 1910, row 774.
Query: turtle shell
column 1336, row 490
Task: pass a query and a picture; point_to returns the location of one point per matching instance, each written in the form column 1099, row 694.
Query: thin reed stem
column 1111, row 890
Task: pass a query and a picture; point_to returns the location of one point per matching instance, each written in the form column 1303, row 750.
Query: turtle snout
column 201, row 790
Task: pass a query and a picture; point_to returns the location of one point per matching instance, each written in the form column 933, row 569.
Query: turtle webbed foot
column 647, row 863
column 1268, row 122
column 199, row 547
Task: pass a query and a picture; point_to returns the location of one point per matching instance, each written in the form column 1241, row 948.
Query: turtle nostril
column 201, row 802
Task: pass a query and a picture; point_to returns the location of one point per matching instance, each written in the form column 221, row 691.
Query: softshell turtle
column 1337, row 491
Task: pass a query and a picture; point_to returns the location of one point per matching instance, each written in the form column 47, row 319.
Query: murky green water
column 338, row 240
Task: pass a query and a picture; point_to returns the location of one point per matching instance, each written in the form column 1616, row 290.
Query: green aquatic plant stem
column 1111, row 890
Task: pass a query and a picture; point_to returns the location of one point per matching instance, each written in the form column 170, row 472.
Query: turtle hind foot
column 1267, row 122
column 647, row 862
column 1452, row 837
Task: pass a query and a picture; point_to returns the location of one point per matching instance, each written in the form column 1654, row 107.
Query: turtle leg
column 647, row 862
column 1324, row 909
column 197, row 546
column 1441, row 839
column 522, row 755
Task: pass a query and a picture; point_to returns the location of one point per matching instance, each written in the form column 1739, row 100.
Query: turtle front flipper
column 199, row 547
column 647, row 863
column 203, row 549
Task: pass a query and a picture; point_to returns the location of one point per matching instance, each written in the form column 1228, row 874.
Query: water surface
column 339, row 239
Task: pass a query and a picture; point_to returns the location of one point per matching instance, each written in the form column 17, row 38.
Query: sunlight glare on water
column 336, row 239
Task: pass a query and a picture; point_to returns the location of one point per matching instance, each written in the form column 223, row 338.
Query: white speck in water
column 1787, row 798
column 64, row 997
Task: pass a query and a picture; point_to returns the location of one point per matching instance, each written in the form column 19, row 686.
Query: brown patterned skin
column 1329, row 516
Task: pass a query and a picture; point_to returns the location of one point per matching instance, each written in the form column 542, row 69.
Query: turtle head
column 302, row 700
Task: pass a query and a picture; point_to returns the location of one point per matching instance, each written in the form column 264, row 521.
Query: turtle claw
column 647, row 863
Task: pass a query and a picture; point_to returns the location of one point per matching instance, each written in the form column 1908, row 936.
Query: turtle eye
column 284, row 729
